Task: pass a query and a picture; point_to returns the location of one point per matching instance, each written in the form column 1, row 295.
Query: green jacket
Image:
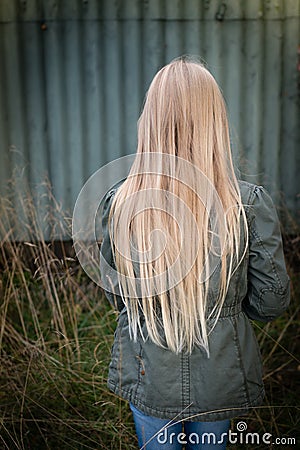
column 163, row 384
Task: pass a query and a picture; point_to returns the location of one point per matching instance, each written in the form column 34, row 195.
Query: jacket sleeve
column 268, row 292
column 108, row 274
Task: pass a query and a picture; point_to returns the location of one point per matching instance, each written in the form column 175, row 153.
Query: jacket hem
column 191, row 414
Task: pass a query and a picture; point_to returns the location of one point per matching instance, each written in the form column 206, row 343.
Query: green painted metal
column 73, row 75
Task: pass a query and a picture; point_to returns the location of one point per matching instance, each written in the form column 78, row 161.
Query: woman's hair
column 177, row 222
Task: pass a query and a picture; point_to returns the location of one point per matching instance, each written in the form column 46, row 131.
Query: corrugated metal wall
column 73, row 75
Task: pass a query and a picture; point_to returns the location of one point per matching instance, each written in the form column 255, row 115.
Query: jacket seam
column 271, row 261
column 185, row 381
column 139, row 378
column 238, row 346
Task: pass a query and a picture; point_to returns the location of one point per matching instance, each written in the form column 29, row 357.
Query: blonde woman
column 189, row 255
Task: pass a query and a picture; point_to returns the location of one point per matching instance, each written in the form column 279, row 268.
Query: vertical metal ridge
column 289, row 159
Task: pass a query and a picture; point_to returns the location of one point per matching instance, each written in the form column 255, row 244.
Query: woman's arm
column 268, row 283
column 107, row 264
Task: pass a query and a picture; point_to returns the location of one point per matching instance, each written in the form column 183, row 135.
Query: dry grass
column 56, row 331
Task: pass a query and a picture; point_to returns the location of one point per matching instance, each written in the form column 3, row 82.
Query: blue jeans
column 160, row 434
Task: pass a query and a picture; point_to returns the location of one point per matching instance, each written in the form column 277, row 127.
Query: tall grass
column 56, row 331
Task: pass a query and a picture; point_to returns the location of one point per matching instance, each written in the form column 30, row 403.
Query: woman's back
column 228, row 382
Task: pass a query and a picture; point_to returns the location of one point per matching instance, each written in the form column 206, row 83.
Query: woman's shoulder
column 108, row 197
column 249, row 191
column 258, row 205
column 255, row 197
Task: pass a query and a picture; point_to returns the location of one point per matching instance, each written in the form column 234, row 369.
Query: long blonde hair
column 178, row 212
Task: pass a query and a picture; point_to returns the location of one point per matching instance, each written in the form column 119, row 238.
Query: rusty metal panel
column 73, row 75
